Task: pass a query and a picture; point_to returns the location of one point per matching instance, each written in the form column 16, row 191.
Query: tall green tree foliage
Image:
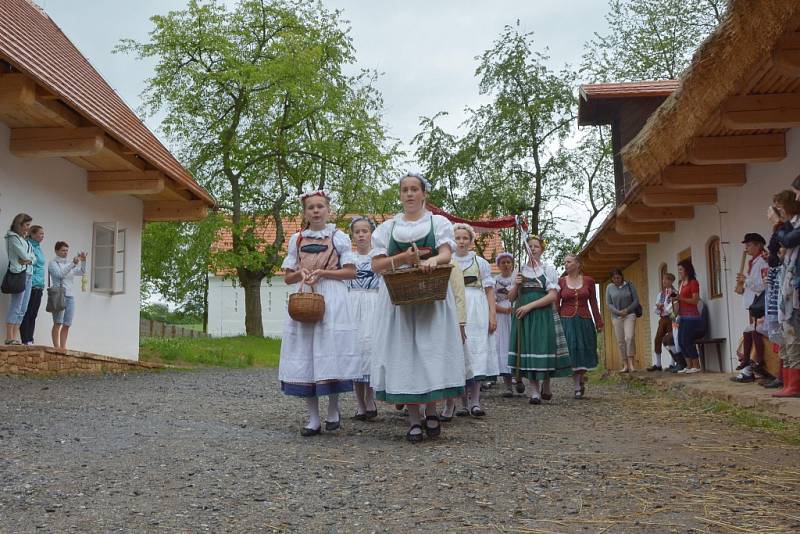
column 260, row 104
column 649, row 39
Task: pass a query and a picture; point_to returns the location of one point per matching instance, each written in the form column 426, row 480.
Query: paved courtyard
column 219, row 451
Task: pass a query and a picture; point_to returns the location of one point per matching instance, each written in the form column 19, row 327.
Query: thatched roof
column 741, row 43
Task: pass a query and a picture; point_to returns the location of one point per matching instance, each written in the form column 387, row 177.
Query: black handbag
column 13, row 283
column 638, row 309
column 758, row 307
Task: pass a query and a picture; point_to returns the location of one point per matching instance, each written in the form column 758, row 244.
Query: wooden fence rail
column 150, row 328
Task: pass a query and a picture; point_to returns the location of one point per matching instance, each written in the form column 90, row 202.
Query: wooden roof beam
column 659, row 196
column 21, row 101
column 596, row 257
column 642, row 213
column 169, row 210
column 627, row 227
column 633, row 250
column 56, row 142
column 125, row 183
column 703, row 176
column 762, row 112
column 613, row 238
column 737, row 149
column 786, row 58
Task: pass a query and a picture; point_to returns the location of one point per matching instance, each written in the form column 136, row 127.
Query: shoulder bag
column 56, row 296
column 638, row 309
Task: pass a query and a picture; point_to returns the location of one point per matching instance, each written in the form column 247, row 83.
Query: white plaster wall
column 739, row 210
column 226, row 307
column 53, row 192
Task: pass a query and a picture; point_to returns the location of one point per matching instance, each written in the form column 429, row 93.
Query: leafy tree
column 649, row 39
column 261, row 107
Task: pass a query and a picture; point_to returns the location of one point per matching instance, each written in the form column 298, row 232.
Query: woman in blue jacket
column 20, row 259
column 35, row 238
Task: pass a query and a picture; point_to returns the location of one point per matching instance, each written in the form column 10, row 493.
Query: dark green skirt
column 543, row 347
column 581, row 341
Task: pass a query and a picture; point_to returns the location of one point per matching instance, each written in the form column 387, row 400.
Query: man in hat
column 751, row 285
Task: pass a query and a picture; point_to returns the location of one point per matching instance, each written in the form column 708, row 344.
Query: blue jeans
column 19, row 303
column 65, row 316
column 688, row 328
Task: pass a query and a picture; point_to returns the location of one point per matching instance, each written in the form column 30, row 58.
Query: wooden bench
column 701, row 346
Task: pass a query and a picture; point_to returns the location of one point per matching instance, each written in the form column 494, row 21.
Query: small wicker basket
column 306, row 307
column 412, row 286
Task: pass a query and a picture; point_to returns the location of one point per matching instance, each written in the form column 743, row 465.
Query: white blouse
column 483, row 267
column 550, row 274
column 341, row 242
column 408, row 231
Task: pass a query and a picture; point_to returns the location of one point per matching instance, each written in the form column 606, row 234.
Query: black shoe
column 654, row 368
column 330, row 426
column 579, row 394
column 742, row 378
column 371, row 414
column 359, row 417
column 414, row 438
column 308, row 432
column 433, row 431
column 445, row 418
column 547, row 396
column 462, row 412
column 535, row 400
column 676, row 368
column 742, row 365
column 476, row 411
column 776, row 383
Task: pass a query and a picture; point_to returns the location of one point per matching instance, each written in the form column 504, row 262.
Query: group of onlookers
column 25, row 280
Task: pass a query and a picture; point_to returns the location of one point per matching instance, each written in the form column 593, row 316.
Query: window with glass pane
column 714, row 268
column 108, row 258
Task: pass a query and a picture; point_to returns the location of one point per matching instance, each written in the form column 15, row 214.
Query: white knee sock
column 577, row 379
column 313, row 412
column 657, row 358
column 534, row 385
column 475, row 394
column 333, row 408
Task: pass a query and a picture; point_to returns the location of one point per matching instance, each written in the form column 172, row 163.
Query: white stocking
column 333, row 408
column 313, row 412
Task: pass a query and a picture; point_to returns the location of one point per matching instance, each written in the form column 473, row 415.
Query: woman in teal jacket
column 20, row 259
column 35, row 238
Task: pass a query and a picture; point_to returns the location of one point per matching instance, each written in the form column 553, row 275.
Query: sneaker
column 683, row 371
column 676, row 369
column 692, row 370
column 776, row 383
column 654, row 368
column 742, row 365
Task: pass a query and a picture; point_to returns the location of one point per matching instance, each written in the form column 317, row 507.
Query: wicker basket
column 306, row 307
column 412, row 286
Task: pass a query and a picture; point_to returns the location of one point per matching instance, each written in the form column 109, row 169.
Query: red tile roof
column 35, row 45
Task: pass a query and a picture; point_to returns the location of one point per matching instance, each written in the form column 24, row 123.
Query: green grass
column 242, row 351
column 787, row 430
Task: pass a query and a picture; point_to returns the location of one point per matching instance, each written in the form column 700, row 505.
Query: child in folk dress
column 363, row 293
column 322, row 358
column 503, row 283
column 481, row 316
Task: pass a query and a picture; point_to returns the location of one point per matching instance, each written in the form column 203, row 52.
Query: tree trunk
column 253, row 324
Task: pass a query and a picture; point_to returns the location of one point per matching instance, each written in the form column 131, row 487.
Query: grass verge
column 241, row 351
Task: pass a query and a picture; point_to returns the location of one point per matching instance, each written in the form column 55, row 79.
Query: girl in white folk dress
column 322, row 358
column 363, row 293
column 417, row 355
column 481, row 316
column 503, row 284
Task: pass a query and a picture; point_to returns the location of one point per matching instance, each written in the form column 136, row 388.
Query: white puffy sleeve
column 443, row 232
column 551, row 275
column 485, row 270
column 291, row 260
column 343, row 245
column 380, row 239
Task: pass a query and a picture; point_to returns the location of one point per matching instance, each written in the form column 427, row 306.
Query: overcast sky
column 425, row 49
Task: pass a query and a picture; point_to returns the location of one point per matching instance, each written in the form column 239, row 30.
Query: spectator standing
column 689, row 318
column 35, row 238
column 623, row 301
column 61, row 271
column 20, row 259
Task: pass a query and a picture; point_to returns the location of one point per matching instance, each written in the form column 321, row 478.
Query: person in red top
column 689, row 321
column 576, row 297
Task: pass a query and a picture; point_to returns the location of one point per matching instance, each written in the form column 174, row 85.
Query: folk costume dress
column 321, row 358
column 417, row 353
column 481, row 346
column 502, row 285
column 363, row 297
column 543, row 347
column 577, row 306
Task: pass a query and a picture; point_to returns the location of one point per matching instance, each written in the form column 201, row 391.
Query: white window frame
column 118, row 264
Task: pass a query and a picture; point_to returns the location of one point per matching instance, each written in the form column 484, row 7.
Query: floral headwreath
column 467, row 228
column 359, row 218
column 537, row 238
column 503, row 255
column 309, row 194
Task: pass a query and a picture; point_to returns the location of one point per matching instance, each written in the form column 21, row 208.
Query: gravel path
column 219, row 450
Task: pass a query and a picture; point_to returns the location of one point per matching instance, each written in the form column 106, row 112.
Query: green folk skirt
column 581, row 341
column 542, row 345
